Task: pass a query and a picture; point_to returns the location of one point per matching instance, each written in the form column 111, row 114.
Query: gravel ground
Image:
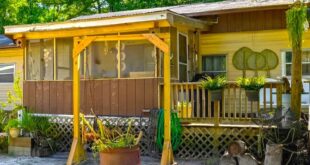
column 60, row 159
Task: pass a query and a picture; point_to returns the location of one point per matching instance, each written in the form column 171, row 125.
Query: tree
column 296, row 19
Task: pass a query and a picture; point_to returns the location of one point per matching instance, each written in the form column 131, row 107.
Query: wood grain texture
column 118, row 97
column 250, row 21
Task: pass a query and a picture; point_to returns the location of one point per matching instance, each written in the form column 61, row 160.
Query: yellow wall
column 10, row 55
column 229, row 43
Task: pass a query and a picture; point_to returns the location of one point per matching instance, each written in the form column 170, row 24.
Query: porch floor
column 60, row 159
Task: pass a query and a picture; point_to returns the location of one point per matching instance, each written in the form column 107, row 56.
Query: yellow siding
column 229, row 43
column 10, row 55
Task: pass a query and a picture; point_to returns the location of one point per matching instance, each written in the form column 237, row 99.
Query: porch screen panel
column 64, row 59
column 103, row 59
column 182, row 49
column 40, row 59
column 137, row 59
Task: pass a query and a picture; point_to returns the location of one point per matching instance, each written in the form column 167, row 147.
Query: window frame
column 214, row 55
column 284, row 63
column 14, row 72
column 178, row 54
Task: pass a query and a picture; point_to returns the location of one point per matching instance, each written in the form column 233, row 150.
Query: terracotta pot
column 121, row 156
column 216, row 94
column 14, row 132
column 253, row 95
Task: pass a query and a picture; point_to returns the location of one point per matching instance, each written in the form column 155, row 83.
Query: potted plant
column 252, row 86
column 114, row 146
column 13, row 128
column 214, row 85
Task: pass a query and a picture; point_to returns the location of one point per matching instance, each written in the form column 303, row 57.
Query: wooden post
column 167, row 154
column 77, row 153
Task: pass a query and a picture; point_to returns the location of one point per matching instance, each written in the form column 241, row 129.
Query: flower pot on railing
column 120, row 156
column 252, row 95
column 216, row 94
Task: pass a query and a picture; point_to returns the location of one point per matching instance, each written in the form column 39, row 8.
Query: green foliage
column 13, row 12
column 13, row 123
column 109, row 138
column 14, row 98
column 253, row 83
column 3, row 119
column 213, row 84
column 296, row 20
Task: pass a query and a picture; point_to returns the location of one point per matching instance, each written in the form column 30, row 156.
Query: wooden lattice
column 206, row 142
column 198, row 142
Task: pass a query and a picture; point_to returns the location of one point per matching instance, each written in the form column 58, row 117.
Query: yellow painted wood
column 167, row 154
column 229, row 43
column 10, row 56
column 157, row 42
column 77, row 153
column 132, row 27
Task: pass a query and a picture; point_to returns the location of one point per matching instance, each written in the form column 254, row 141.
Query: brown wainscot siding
column 118, row 97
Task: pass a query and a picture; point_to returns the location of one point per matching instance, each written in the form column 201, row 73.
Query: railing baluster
column 265, row 99
column 198, row 101
column 223, row 110
column 235, row 104
column 187, row 100
column 209, row 105
column 203, row 103
column 182, row 101
column 179, row 108
column 240, row 103
column 271, row 108
column 229, row 101
column 192, row 99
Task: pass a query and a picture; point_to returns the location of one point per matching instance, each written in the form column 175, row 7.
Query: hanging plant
column 297, row 24
column 296, row 20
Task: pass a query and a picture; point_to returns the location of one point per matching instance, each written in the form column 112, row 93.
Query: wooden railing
column 193, row 102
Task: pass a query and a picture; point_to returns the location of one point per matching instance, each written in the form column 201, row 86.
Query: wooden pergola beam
column 79, row 44
column 77, row 153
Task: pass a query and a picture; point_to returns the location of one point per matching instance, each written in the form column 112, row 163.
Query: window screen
column 305, row 63
column 182, row 50
column 7, row 73
column 64, row 58
column 40, row 59
column 137, row 59
column 103, row 59
column 214, row 65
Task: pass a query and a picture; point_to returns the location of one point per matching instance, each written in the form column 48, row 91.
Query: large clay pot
column 14, row 132
column 253, row 95
column 121, row 156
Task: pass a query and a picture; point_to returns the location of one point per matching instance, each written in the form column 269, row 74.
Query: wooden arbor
column 79, row 44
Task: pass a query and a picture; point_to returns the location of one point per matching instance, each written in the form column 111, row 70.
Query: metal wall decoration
column 247, row 59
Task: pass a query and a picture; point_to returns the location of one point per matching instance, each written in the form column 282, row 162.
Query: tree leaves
column 14, row 12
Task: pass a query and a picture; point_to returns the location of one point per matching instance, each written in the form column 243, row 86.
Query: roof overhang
column 150, row 20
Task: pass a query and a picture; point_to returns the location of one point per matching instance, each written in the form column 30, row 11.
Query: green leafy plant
column 105, row 138
column 253, row 83
column 213, row 83
column 13, row 123
column 3, row 119
column 14, row 98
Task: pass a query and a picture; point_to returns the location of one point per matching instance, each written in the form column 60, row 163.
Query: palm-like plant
column 213, row 83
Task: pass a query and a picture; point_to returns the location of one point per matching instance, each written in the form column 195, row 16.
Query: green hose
column 176, row 130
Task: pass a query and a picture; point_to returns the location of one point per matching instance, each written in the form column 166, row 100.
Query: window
column 40, row 59
column 288, row 63
column 103, row 59
column 137, row 59
column 64, row 58
column 7, row 73
column 182, row 51
column 214, row 65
